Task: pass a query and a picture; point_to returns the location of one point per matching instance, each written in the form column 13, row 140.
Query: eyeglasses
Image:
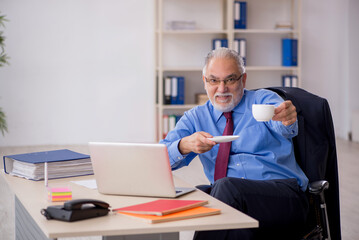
column 229, row 81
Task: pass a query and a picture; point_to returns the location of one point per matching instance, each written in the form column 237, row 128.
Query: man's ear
column 244, row 80
column 204, row 82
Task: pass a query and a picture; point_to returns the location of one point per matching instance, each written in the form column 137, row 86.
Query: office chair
column 315, row 152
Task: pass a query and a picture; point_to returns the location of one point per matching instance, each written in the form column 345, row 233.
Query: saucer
column 222, row 139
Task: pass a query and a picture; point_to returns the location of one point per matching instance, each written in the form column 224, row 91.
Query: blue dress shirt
column 263, row 151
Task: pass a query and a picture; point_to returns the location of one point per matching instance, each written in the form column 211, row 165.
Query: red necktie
column 220, row 170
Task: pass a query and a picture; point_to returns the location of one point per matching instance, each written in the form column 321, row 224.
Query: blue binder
column 294, row 47
column 240, row 15
column 240, row 46
column 289, row 52
column 180, row 90
column 219, row 42
column 62, row 155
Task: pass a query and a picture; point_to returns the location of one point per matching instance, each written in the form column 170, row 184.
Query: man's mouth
column 223, row 98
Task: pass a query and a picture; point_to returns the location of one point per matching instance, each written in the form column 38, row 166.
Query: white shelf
column 248, row 68
column 266, row 31
column 180, row 69
column 271, row 68
column 179, row 107
column 204, row 31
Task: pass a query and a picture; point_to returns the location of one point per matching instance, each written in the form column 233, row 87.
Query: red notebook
column 162, row 206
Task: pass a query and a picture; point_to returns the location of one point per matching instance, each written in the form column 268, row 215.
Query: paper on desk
column 91, row 183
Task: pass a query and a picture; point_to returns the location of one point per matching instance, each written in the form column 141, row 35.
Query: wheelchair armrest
column 318, row 187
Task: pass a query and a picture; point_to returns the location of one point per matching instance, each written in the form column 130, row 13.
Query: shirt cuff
column 175, row 154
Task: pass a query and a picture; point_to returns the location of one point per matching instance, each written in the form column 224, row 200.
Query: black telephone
column 78, row 209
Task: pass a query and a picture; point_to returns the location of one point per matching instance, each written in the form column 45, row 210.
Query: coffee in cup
column 263, row 112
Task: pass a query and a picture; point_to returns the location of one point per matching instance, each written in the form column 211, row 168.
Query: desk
column 31, row 198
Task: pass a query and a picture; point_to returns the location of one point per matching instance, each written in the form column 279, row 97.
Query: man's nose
column 222, row 87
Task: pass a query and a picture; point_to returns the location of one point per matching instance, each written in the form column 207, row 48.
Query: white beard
column 223, row 108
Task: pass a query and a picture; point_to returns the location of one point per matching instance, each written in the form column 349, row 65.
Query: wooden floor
column 348, row 163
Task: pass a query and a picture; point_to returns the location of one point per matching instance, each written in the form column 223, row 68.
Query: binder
column 180, row 90
column 294, row 81
column 294, row 49
column 240, row 46
column 219, row 42
column 216, row 43
column 171, row 122
column 167, row 90
column 240, row 15
column 165, row 126
column 289, row 52
column 286, row 81
column 174, row 90
column 290, row 81
column 61, row 163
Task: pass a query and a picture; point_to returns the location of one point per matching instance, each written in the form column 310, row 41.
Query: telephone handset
column 79, row 204
column 77, row 209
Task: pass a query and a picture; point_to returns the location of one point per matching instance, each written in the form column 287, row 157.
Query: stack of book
column 165, row 210
column 61, row 163
column 174, row 88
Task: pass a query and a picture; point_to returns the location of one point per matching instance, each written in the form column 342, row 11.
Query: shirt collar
column 240, row 108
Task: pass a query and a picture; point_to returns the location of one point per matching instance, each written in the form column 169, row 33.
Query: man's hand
column 197, row 143
column 286, row 113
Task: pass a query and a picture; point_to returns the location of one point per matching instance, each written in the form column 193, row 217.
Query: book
column 162, row 206
column 289, row 52
column 240, row 15
column 61, row 163
column 186, row 214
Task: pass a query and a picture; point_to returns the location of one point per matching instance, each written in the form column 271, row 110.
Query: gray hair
column 224, row 53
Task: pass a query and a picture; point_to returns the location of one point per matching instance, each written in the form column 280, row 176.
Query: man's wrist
column 182, row 147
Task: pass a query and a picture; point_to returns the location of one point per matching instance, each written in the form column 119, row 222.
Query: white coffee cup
column 263, row 112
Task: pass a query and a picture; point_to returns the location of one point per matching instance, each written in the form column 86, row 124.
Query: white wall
column 330, row 53
column 81, row 70
column 354, row 61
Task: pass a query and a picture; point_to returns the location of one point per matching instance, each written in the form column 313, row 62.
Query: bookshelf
column 181, row 52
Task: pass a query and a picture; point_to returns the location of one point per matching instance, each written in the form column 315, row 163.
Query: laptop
column 133, row 169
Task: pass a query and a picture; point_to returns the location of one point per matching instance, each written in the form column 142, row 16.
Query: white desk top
column 33, row 196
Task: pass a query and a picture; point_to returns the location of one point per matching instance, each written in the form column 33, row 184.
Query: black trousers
column 280, row 206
